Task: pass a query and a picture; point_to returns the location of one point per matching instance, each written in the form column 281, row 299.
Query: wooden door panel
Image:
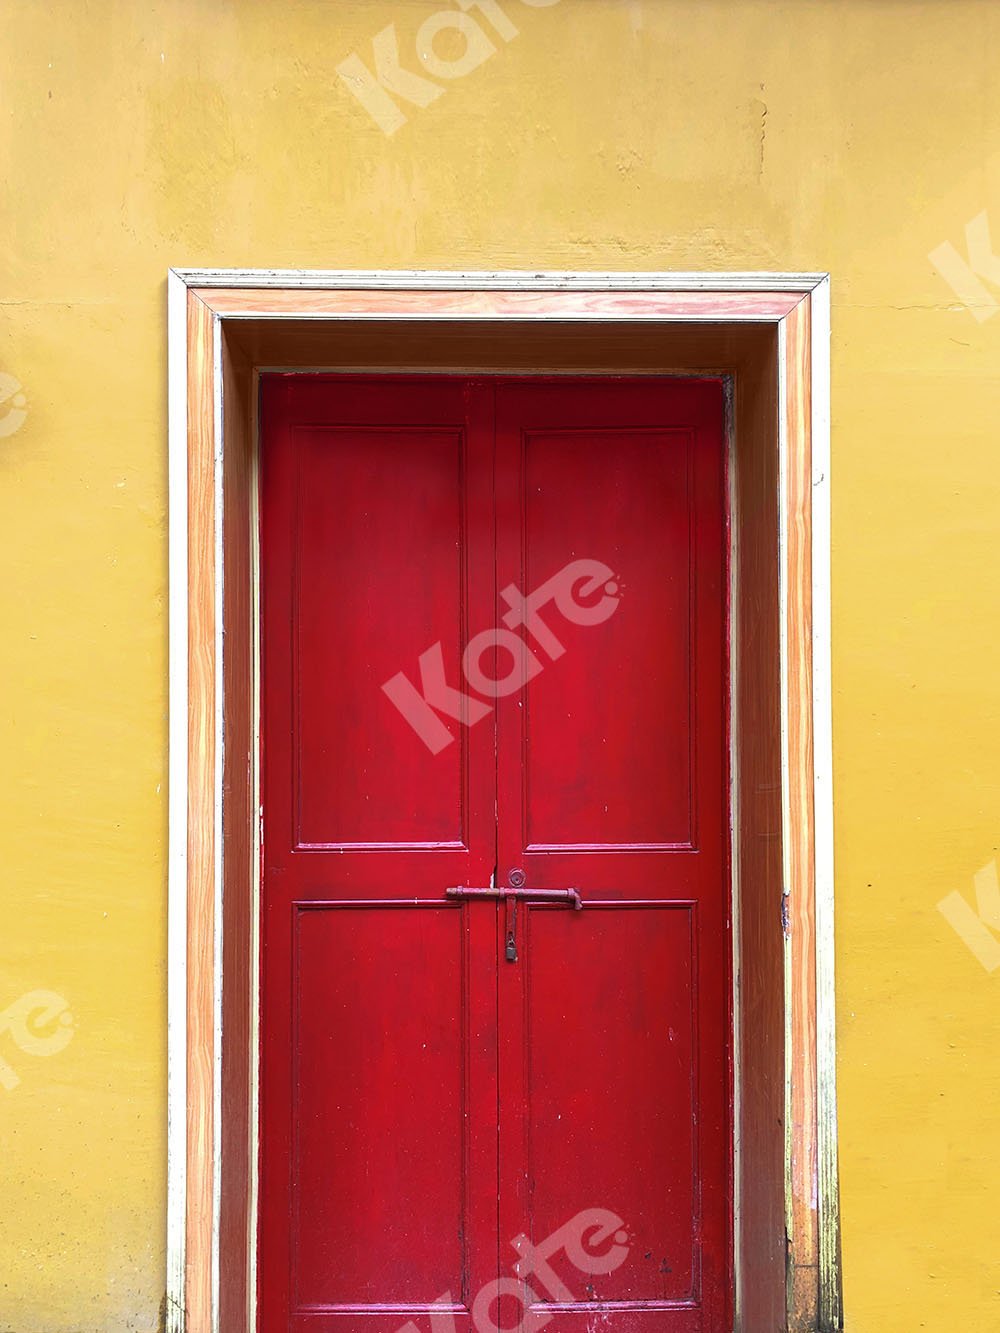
column 377, row 546
column 430, row 1094
column 378, row 1099
column 621, row 497
column 379, row 1069
column 360, row 617
column 615, row 1047
column 610, row 1040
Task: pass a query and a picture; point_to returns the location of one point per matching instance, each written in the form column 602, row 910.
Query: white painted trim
column 509, row 280
column 177, row 376
column 218, row 868
column 786, row 866
column 501, row 317
column 830, row 1296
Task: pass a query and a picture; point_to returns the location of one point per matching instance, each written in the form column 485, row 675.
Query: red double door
column 495, row 1007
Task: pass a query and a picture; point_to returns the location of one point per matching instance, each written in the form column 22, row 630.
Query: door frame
column 769, row 334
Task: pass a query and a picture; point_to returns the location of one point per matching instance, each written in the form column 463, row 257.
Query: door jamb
column 210, row 799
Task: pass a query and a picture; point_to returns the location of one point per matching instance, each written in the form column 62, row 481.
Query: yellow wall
column 623, row 134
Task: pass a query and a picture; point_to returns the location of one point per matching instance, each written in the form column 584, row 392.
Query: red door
column 495, row 1016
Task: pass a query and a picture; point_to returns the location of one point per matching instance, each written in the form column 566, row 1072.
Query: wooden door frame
column 769, row 334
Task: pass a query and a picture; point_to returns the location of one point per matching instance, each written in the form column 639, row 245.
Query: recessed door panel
column 620, row 497
column 379, row 1069
column 364, row 608
column 611, row 1089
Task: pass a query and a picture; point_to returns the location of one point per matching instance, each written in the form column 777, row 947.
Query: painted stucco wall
column 607, row 134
